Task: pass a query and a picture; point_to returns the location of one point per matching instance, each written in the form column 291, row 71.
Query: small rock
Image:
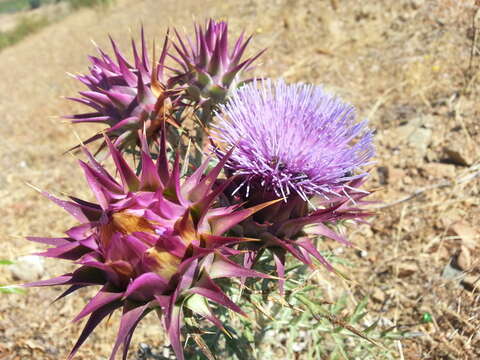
column 459, row 155
column 383, row 173
column 363, row 253
column 471, row 282
column 442, row 252
column 27, row 268
column 450, row 272
column 406, row 269
column 464, row 260
column 407, row 180
column 420, row 139
column 166, row 353
column 338, row 251
column 416, row 134
column 385, row 322
column 378, row 295
column 467, row 233
column 298, row 346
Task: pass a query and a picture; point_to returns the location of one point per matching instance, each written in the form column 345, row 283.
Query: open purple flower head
column 293, row 139
column 295, row 142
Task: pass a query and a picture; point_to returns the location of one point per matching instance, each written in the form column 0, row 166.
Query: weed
column 12, row 6
column 78, row 4
column 297, row 325
column 25, row 27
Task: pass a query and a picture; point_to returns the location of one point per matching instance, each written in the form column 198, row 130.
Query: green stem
column 206, row 117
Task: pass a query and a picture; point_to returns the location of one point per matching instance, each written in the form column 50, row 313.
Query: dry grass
column 395, row 60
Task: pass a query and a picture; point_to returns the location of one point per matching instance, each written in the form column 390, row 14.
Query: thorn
column 33, row 187
column 187, row 157
column 78, row 138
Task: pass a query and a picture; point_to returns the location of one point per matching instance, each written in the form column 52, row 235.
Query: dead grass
column 25, row 27
column 397, row 61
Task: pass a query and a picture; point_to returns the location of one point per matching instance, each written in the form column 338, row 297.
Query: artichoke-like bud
column 208, row 71
column 301, row 144
column 127, row 97
column 153, row 242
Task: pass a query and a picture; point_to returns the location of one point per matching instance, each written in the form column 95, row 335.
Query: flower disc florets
column 293, row 139
column 153, row 241
column 301, row 144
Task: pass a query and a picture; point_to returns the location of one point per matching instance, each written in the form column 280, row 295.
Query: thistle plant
column 153, row 242
column 291, row 165
column 301, row 144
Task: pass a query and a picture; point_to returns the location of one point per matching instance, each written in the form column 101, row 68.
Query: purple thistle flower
column 207, row 69
column 153, row 242
column 293, row 139
column 127, row 97
column 293, row 142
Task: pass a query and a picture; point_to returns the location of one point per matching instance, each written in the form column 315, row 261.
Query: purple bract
column 153, row 242
column 208, row 70
column 127, row 97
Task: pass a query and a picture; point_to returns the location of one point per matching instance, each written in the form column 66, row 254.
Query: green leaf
column 6, row 262
column 371, row 327
column 427, row 318
column 12, row 289
column 359, row 312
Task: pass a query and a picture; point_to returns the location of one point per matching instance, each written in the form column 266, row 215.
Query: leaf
column 6, row 262
column 335, row 320
column 359, row 311
column 12, row 289
column 371, row 327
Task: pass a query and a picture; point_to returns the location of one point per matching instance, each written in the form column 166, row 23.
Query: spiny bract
column 127, row 97
column 207, row 70
column 153, row 242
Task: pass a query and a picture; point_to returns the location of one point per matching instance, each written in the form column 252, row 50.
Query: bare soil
column 410, row 66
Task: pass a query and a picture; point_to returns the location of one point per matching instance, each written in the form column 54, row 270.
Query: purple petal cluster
column 153, row 242
column 142, row 94
column 127, row 97
column 293, row 139
column 207, row 67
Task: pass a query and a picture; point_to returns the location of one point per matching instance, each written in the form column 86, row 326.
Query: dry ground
column 51, row 12
column 406, row 64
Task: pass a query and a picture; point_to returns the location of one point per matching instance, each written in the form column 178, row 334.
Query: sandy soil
column 405, row 64
column 51, row 12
